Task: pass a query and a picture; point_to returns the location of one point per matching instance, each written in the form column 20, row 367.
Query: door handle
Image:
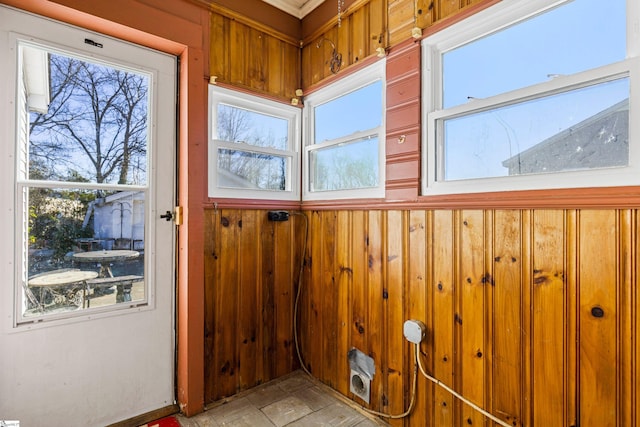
column 175, row 216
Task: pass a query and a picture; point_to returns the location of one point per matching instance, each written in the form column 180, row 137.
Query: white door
column 87, row 143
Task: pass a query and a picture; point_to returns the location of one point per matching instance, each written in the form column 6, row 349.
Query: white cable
column 416, row 362
column 413, row 392
column 295, row 305
column 455, row 394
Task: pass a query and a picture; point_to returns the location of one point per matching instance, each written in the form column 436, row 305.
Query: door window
column 82, row 185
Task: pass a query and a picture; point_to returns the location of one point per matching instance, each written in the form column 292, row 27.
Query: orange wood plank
column 226, row 307
column 507, row 351
column 330, row 297
column 315, row 335
column 548, row 294
column 444, row 291
column 397, row 347
column 344, row 283
column 376, row 335
column 359, row 324
column 219, row 48
column 248, row 308
column 416, row 303
column 284, row 250
column 470, row 315
column 598, row 317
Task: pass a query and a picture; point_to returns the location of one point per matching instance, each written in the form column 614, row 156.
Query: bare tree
column 261, row 170
column 97, row 121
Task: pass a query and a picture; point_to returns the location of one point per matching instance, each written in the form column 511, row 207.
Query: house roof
column 601, row 140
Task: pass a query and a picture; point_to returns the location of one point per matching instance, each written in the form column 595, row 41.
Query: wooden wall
column 253, row 58
column 251, row 268
column 362, row 30
column 531, row 314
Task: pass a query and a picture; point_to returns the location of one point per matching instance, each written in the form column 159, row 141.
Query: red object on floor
column 164, row 422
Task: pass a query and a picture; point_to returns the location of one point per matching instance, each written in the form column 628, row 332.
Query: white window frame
column 127, row 58
column 488, row 21
column 351, row 83
column 293, row 115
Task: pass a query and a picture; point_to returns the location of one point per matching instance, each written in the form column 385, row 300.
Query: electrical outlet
column 414, row 331
column 278, row 215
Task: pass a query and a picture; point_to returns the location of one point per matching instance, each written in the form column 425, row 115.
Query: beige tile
column 235, row 408
column 286, row 410
column 251, row 418
column 315, row 398
column 335, row 415
column 201, row 420
column 266, row 395
column 296, row 382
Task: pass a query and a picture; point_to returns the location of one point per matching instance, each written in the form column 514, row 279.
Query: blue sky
column 567, row 40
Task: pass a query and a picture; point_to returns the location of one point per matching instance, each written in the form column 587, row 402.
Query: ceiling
column 297, row 8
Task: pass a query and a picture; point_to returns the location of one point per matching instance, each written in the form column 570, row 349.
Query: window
column 253, row 151
column 82, row 182
column 532, row 95
column 344, row 138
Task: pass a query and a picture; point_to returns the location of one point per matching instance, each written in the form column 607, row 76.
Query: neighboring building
column 600, row 141
column 118, row 220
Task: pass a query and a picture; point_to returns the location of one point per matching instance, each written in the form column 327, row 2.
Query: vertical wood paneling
column 248, row 298
column 330, row 299
column 225, row 355
column 359, row 23
column 626, row 310
column 444, row 261
column 598, row 316
column 507, row 328
column 251, row 267
column 219, row 61
column 396, row 347
column 252, row 59
column 416, row 287
column 530, row 314
column 377, row 17
column 548, row 296
column 344, row 286
column 359, row 325
column 376, row 284
column 285, row 255
column 268, row 285
column 470, row 314
column 448, row 7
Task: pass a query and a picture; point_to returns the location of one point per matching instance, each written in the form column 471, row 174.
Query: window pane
column 243, row 169
column 85, row 249
column 571, row 38
column 581, row 129
column 95, row 128
column 356, row 111
column 240, row 125
column 345, row 166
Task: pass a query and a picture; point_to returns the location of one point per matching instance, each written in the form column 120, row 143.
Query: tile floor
column 295, row 400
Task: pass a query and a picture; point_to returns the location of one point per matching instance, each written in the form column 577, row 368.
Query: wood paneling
column 252, row 59
column 251, row 271
column 362, row 29
column 529, row 313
